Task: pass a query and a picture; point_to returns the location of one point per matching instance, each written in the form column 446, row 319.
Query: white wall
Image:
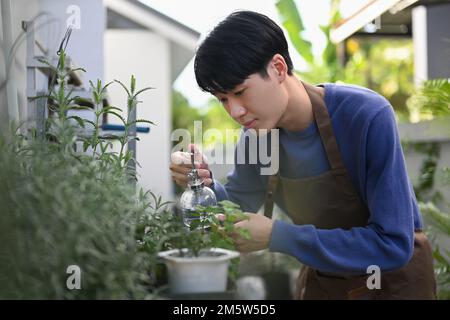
column 21, row 10
column 147, row 57
column 431, row 35
column 85, row 45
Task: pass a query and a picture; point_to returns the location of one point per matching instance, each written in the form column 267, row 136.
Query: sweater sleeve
column 387, row 241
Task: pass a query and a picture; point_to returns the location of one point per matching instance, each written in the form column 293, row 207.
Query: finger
column 181, row 183
column 239, row 243
column 199, row 157
column 193, row 147
column 240, row 221
column 180, row 158
column 203, row 173
column 185, row 166
column 179, row 169
column 208, row 182
column 179, row 178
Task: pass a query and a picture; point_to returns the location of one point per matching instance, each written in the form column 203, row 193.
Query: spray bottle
column 195, row 194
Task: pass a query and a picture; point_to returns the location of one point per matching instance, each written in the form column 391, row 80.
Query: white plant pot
column 198, row 274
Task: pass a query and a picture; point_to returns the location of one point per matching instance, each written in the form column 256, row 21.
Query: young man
column 342, row 176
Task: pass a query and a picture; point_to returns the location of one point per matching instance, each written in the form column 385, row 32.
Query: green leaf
column 44, row 61
column 90, row 122
column 108, row 108
column 118, row 116
column 110, row 136
column 106, row 86
column 78, row 107
column 293, row 23
column 97, row 98
column 76, row 69
column 133, row 84
column 123, row 86
column 134, row 138
column 46, row 96
column 62, row 60
column 229, row 204
column 142, row 90
column 142, row 121
column 77, row 119
column 86, row 145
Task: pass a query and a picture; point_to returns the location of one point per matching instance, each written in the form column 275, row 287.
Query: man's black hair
column 237, row 47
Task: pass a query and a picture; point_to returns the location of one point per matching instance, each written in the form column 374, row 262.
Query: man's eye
column 239, row 93
column 223, row 100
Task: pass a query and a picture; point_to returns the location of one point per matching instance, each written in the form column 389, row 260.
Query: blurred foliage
column 56, row 212
column 424, row 187
column 438, row 223
column 62, row 206
column 431, row 100
column 385, row 66
column 212, row 116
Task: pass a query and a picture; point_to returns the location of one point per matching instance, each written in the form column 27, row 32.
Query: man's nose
column 236, row 109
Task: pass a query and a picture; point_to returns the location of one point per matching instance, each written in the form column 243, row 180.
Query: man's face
column 257, row 103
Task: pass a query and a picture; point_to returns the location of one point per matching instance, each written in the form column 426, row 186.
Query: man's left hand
column 260, row 230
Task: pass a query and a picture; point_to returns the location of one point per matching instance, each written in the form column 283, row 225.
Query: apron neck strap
column 325, row 127
column 270, row 195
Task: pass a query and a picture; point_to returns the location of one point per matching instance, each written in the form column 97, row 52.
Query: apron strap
column 325, row 127
column 329, row 142
column 270, row 195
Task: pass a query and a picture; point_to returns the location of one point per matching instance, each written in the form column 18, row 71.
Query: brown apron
column 330, row 201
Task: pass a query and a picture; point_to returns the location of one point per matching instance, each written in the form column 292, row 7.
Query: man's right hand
column 180, row 166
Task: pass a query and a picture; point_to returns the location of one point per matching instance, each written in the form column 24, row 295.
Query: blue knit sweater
column 366, row 132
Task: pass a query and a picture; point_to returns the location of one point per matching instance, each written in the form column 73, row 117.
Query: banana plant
column 327, row 66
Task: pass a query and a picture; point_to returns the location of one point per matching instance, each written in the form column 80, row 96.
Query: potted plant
column 197, row 257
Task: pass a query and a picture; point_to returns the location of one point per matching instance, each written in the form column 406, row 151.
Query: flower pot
column 206, row 273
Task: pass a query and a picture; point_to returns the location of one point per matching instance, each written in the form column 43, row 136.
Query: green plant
column 163, row 229
column 325, row 68
column 425, row 184
column 440, row 224
column 209, row 231
column 132, row 101
column 55, row 213
column 61, row 207
column 432, row 99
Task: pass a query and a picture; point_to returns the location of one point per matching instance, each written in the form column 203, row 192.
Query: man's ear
column 279, row 66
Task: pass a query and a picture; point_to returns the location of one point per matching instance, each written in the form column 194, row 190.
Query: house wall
column 85, row 46
column 20, row 10
column 431, row 36
column 146, row 56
